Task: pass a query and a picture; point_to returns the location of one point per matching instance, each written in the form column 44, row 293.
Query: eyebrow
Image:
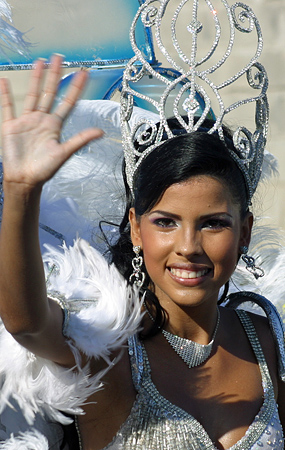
column 204, row 217
column 165, row 213
column 217, row 214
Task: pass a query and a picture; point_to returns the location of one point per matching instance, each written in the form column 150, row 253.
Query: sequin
column 155, row 423
column 196, row 80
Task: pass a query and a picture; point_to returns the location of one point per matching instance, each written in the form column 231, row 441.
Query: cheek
column 156, row 250
column 225, row 252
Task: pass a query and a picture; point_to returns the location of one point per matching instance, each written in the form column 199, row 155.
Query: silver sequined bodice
column 155, row 423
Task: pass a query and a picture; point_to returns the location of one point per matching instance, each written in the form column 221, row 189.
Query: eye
column 217, row 224
column 164, row 222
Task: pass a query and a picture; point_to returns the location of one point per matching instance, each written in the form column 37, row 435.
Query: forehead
column 198, row 193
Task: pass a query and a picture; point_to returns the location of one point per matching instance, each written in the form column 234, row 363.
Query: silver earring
column 137, row 277
column 256, row 271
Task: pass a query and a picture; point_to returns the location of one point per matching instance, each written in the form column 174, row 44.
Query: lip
column 187, row 276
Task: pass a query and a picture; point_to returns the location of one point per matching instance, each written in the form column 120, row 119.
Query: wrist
column 22, row 192
column 21, row 203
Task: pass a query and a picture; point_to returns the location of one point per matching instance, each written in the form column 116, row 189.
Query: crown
column 190, row 95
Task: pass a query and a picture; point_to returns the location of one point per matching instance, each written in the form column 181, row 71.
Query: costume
column 101, row 311
column 156, row 423
column 103, row 314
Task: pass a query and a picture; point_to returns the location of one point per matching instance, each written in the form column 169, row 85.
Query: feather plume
column 89, row 187
column 267, row 247
column 104, row 312
column 5, row 10
column 14, row 430
column 11, row 39
column 32, row 440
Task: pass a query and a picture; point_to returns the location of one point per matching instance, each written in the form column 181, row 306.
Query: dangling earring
column 137, row 277
column 256, row 271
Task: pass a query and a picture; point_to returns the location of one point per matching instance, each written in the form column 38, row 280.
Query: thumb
column 80, row 139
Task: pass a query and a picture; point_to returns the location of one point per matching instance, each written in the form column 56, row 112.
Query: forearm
column 33, row 320
column 23, row 300
column 32, row 153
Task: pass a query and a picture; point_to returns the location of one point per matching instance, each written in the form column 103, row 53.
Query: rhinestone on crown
column 196, row 79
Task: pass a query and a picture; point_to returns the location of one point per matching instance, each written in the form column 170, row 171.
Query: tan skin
column 224, row 393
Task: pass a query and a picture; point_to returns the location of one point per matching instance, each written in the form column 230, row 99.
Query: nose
column 189, row 243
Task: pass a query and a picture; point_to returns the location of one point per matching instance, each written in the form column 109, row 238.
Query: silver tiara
column 194, row 92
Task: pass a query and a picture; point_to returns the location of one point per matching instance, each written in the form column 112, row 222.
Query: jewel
column 195, row 27
column 191, row 105
column 192, row 353
column 196, row 75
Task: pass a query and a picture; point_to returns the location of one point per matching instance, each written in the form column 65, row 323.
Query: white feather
column 13, row 428
column 269, row 253
column 104, row 312
column 11, row 39
column 31, row 440
column 89, row 187
column 38, row 385
column 5, row 10
column 269, row 166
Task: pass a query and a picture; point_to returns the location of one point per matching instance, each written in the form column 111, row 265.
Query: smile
column 187, row 274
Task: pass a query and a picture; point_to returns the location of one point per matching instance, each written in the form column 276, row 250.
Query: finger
column 79, row 140
column 34, row 90
column 72, row 94
column 51, row 84
column 6, row 100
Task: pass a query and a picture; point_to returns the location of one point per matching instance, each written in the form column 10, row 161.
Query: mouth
column 188, row 274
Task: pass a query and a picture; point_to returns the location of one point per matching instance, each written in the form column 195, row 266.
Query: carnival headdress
column 192, row 90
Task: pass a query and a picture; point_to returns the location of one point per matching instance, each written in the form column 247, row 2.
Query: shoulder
column 267, row 342
column 265, row 336
column 267, row 323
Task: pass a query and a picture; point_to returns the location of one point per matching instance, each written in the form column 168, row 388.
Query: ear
column 246, row 228
column 135, row 228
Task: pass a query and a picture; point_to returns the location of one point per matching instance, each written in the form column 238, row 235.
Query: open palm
column 32, row 151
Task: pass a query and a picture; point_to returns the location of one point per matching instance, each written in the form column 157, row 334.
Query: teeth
column 187, row 274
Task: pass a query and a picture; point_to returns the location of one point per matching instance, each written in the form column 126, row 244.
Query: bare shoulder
column 268, row 345
column 261, row 325
column 264, row 332
column 265, row 336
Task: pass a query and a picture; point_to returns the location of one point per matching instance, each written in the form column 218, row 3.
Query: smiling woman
column 195, row 229
column 140, row 352
column 164, row 176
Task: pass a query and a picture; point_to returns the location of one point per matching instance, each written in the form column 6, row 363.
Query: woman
column 190, row 220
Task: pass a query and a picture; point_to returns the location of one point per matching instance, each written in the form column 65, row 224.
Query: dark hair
column 175, row 161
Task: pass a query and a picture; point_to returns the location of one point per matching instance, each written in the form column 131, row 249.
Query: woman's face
column 191, row 241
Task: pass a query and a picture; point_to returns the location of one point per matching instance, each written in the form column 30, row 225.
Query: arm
column 31, row 156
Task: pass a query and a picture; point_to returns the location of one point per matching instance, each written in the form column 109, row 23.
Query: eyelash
column 217, row 224
column 165, row 222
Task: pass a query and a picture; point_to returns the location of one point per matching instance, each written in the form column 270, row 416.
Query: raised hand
column 32, row 152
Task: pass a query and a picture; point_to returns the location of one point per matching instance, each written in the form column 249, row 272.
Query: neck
column 196, row 323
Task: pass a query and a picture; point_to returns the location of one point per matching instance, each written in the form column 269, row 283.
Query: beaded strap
column 155, row 421
column 275, row 322
column 60, row 300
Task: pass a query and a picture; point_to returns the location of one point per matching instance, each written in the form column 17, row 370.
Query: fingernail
column 59, row 54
